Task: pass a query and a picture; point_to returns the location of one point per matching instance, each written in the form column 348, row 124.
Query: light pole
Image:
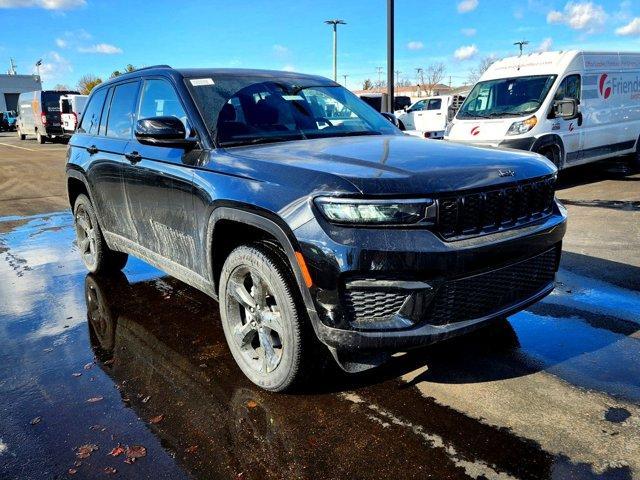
column 38, row 63
column 390, row 49
column 521, row 44
column 345, row 80
column 335, row 22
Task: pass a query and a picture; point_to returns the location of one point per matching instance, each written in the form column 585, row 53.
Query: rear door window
column 121, row 112
column 434, row 104
column 90, row 121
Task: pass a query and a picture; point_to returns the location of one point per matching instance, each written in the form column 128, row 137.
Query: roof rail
column 151, row 66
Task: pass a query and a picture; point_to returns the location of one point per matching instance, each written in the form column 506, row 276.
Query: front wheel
column 263, row 322
column 96, row 255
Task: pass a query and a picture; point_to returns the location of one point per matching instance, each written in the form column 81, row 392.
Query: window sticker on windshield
column 292, row 97
column 200, row 82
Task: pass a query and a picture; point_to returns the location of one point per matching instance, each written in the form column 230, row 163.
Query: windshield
column 506, row 97
column 241, row 110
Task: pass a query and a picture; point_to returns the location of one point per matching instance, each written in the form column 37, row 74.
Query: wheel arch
column 240, row 218
column 550, row 140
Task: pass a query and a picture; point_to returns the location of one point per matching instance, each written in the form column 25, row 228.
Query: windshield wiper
column 256, row 141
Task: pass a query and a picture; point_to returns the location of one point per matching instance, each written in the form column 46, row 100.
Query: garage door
column 11, row 99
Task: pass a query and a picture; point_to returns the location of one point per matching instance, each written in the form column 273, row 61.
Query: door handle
column 133, row 157
column 92, row 150
column 438, row 113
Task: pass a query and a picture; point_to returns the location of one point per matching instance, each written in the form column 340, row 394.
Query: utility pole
column 335, row 22
column 345, row 80
column 390, row 51
column 398, row 72
column 38, row 64
column 521, row 44
column 379, row 70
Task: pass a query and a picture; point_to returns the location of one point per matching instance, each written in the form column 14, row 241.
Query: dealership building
column 13, row 85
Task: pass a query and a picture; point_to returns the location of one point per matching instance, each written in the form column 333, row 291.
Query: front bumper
column 417, row 286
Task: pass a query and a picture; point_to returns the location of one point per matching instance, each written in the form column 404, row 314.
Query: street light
column 38, row 64
column 521, row 44
column 335, row 22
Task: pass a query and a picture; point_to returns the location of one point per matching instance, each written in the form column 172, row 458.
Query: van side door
column 159, row 182
column 571, row 131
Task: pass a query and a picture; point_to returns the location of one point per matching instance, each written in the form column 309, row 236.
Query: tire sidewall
column 269, row 268
column 83, row 202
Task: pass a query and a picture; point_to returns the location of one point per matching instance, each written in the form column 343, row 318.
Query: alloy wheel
column 256, row 320
column 86, row 236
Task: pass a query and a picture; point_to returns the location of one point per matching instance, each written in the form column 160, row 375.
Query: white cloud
column 469, row 32
column 104, row 48
column 415, row 45
column 465, row 53
column 289, row 68
column 46, row 4
column 586, row 16
column 632, row 29
column 545, row 45
column 61, row 43
column 54, row 67
column 280, row 50
column 467, row 6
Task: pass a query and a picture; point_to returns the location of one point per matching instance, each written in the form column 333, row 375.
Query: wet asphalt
column 139, row 359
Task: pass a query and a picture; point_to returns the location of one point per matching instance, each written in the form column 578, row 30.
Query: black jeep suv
column 303, row 210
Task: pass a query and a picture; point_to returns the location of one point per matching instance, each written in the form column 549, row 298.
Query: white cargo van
column 428, row 117
column 71, row 108
column 572, row 107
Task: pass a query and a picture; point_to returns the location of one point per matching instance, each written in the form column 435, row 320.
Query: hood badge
column 506, row 173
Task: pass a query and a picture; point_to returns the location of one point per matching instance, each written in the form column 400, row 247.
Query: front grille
column 485, row 212
column 487, row 293
column 368, row 306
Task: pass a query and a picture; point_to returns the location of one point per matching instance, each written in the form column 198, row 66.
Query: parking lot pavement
column 140, row 359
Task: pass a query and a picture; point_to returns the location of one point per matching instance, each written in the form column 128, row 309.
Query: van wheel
column 552, row 153
column 95, row 254
column 21, row 136
column 635, row 158
column 263, row 322
column 41, row 138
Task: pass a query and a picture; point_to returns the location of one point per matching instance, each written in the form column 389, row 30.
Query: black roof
column 216, row 72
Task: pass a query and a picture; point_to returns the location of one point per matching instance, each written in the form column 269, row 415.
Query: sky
column 78, row 37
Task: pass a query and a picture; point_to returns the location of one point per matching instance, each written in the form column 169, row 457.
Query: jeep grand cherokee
column 305, row 212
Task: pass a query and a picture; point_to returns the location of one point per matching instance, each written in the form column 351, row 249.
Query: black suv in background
column 307, row 214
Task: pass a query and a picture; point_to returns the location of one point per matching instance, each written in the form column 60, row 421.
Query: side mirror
column 567, row 108
column 392, row 118
column 406, row 108
column 163, row 132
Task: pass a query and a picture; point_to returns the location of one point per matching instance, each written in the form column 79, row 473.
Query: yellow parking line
column 15, row 146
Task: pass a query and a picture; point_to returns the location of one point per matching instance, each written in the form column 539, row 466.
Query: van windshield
column 506, row 97
column 244, row 110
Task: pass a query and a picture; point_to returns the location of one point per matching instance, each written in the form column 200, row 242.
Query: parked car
column 7, row 121
column 39, row 115
column 375, row 100
column 429, row 117
column 71, row 108
column 238, row 183
column 573, row 107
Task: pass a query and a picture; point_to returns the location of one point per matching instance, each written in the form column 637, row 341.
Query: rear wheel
column 95, row 254
column 263, row 322
column 41, row 138
column 21, row 136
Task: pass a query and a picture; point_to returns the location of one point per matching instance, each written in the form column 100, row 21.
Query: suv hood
column 401, row 164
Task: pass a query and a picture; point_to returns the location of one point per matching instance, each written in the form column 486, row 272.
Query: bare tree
column 367, row 85
column 129, row 68
column 87, row 83
column 476, row 72
column 61, row 87
column 434, row 75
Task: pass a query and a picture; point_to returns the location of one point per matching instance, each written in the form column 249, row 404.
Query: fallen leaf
column 108, row 362
column 110, row 470
column 134, row 452
column 86, row 450
column 72, row 471
column 88, row 366
column 94, row 399
column 117, row 450
column 36, row 421
column 77, row 374
column 156, row 419
column 252, row 404
column 191, row 449
column 146, row 399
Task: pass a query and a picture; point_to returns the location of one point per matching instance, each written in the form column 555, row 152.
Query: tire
column 21, row 136
column 552, row 153
column 267, row 333
column 95, row 254
column 41, row 138
column 635, row 157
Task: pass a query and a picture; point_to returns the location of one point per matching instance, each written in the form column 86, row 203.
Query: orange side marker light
column 305, row 271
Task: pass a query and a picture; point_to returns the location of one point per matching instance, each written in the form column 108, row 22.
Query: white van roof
column 557, row 63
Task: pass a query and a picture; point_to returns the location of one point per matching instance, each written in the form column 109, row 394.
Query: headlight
column 518, row 128
column 378, row 212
